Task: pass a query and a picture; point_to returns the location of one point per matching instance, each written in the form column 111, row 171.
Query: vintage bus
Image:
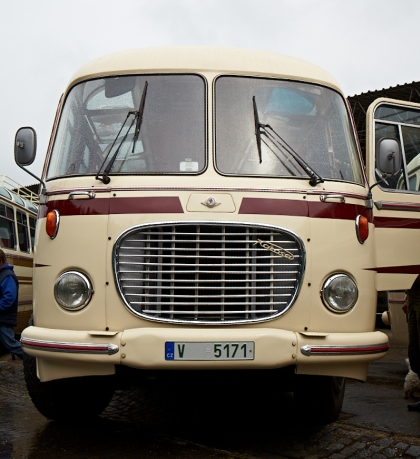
column 18, row 214
column 208, row 209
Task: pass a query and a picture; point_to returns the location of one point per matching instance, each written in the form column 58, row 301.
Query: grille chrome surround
column 208, row 273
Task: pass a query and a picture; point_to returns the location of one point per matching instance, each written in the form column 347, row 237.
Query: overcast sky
column 365, row 44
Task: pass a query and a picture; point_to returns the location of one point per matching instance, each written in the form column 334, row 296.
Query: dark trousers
column 7, row 339
column 414, row 332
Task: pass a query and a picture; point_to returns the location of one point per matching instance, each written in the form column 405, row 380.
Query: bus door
column 393, row 168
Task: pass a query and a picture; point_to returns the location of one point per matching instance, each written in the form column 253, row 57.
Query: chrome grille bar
column 186, row 287
column 187, row 281
column 208, row 273
column 136, row 297
column 151, row 311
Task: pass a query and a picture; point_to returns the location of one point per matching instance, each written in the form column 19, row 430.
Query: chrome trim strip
column 328, row 350
column 213, row 190
column 388, row 205
column 397, row 301
column 198, row 313
column 94, row 189
column 74, row 348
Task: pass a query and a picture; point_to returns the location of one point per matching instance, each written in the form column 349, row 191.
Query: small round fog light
column 339, row 293
column 73, row 290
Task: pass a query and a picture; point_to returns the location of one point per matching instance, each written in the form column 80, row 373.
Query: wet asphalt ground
column 190, row 422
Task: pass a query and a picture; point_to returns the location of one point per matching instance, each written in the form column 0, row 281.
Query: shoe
column 414, row 406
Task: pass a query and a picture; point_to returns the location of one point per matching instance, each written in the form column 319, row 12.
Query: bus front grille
column 207, row 273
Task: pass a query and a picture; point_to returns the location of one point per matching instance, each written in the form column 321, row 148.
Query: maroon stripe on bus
column 146, row 205
column 134, row 205
column 262, row 206
column 409, row 269
column 76, row 207
column 338, row 211
column 389, row 222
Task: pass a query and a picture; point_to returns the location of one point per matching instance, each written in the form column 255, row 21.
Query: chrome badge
column 271, row 247
column 211, row 202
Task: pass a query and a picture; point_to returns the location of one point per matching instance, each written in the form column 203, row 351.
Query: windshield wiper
column 105, row 176
column 257, row 128
column 138, row 115
column 283, row 146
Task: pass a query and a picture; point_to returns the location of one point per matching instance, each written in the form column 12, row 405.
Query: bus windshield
column 311, row 122
column 172, row 136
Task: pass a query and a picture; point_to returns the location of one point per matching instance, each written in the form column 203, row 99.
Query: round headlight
column 73, row 290
column 339, row 293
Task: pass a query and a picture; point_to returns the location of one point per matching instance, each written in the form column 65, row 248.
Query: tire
column 68, row 399
column 319, row 397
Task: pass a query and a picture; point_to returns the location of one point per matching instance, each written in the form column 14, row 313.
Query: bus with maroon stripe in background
column 208, row 209
column 18, row 214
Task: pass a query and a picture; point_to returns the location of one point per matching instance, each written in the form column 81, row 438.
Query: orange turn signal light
column 53, row 222
column 362, row 228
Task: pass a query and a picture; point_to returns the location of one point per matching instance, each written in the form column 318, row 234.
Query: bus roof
column 204, row 59
column 18, row 194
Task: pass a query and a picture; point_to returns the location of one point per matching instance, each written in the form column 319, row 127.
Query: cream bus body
column 227, row 225
column 18, row 213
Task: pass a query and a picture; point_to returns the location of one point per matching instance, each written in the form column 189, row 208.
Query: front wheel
column 319, row 397
column 68, row 399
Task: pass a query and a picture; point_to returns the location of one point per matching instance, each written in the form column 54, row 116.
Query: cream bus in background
column 18, row 214
column 207, row 209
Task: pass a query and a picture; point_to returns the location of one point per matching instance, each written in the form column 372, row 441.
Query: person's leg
column 414, row 343
column 414, row 336
column 7, row 339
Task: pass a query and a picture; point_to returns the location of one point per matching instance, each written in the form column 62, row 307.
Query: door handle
column 81, row 195
column 331, row 197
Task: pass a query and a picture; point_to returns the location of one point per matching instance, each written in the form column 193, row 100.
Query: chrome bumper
column 144, row 348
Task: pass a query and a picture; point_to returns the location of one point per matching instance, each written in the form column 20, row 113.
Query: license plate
column 225, row 350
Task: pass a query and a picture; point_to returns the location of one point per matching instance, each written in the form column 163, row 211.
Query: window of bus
column 23, row 233
column 296, row 120
column 98, row 123
column 403, row 125
column 32, row 226
column 7, row 227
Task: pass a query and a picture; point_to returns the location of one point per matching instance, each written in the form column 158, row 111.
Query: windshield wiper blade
column 281, row 144
column 283, row 163
column 105, row 176
column 258, row 126
column 138, row 115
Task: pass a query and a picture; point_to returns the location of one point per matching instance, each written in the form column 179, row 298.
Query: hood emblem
column 211, row 202
column 271, row 247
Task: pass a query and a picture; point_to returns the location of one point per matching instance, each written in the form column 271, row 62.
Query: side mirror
column 25, row 146
column 25, row 151
column 388, row 157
